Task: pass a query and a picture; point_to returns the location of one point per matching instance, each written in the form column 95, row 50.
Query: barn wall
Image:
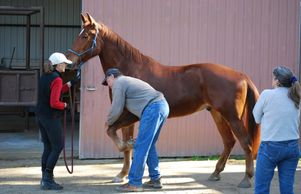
column 249, row 36
column 62, row 23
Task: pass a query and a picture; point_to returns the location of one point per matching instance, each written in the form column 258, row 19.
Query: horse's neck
column 116, row 52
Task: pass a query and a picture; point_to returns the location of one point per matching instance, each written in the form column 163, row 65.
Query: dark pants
column 52, row 138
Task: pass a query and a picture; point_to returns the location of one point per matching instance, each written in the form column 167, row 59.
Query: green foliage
column 215, row 157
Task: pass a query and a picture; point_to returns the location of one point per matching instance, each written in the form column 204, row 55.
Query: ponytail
column 295, row 93
column 48, row 68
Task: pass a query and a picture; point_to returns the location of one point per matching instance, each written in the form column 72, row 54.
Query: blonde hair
column 48, row 68
column 287, row 79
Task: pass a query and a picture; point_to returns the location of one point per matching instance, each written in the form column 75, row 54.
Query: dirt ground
column 20, row 173
column 22, row 176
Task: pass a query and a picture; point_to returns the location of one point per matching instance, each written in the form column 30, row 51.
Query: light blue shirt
column 277, row 114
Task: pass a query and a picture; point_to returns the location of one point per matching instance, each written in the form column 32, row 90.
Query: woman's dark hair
column 287, row 79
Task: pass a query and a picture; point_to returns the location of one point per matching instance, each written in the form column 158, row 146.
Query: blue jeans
column 284, row 155
column 152, row 119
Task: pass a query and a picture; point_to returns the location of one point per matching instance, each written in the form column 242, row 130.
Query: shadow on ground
column 94, row 176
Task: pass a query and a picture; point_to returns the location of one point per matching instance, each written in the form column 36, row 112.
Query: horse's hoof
column 245, row 183
column 118, row 180
column 214, row 177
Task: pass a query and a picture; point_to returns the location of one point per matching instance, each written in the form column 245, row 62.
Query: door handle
column 91, row 88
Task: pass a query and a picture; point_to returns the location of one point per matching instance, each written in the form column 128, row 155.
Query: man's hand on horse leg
column 121, row 146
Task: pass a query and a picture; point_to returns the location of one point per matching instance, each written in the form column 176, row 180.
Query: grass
column 235, row 159
column 216, row 157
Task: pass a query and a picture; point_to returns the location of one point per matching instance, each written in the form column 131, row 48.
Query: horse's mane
column 125, row 48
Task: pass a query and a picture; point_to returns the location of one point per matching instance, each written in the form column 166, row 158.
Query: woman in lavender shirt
column 278, row 112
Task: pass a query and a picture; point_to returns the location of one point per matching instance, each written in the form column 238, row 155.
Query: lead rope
column 72, row 109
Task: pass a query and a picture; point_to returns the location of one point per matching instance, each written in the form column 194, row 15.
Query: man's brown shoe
column 129, row 188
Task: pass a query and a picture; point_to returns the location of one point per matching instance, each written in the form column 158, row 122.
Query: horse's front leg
column 127, row 134
column 126, row 122
column 121, row 144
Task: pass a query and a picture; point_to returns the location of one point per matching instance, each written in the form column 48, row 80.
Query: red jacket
column 57, row 88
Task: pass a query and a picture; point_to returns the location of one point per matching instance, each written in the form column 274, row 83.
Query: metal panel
column 18, row 88
column 249, row 36
column 61, row 25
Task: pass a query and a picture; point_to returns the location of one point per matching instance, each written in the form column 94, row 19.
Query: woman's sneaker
column 157, row 184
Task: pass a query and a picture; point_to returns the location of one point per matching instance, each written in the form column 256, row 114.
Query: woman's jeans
column 152, row 119
column 52, row 138
column 284, row 155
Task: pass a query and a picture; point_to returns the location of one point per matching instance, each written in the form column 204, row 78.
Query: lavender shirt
column 277, row 114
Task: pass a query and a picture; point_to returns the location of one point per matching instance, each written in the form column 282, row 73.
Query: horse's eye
column 85, row 36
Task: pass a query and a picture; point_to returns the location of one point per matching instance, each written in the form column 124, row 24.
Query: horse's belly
column 184, row 110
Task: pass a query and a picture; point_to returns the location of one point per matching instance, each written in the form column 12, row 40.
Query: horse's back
column 215, row 70
column 193, row 87
column 206, row 76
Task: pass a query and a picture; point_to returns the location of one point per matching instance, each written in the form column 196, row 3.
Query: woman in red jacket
column 49, row 113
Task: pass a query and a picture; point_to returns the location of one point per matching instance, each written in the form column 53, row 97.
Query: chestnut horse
column 229, row 95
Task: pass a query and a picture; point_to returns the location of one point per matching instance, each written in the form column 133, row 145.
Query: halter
column 93, row 45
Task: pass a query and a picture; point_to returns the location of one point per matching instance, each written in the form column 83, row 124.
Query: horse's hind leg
column 127, row 134
column 228, row 140
column 245, row 141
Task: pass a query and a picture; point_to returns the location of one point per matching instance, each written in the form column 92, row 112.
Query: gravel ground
column 20, row 172
column 94, row 176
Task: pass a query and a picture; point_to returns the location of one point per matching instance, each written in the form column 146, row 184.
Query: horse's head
column 87, row 44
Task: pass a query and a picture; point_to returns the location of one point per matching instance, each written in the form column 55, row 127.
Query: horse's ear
column 84, row 19
column 91, row 19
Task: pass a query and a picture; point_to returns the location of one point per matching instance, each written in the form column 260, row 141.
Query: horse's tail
column 252, row 127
